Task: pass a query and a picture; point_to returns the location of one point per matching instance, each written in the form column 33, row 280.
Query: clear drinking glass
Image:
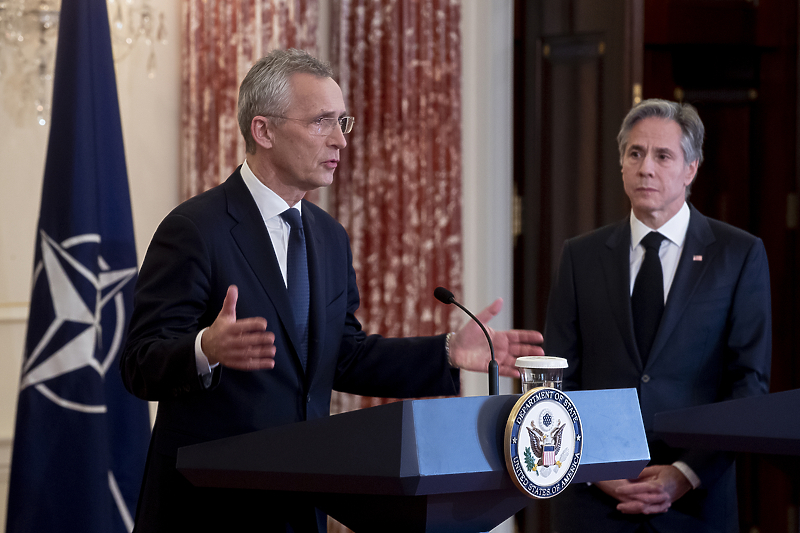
column 541, row 371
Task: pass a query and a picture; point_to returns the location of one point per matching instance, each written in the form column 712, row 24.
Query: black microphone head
column 443, row 295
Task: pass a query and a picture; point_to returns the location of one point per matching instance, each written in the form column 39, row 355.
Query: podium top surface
column 413, row 447
column 759, row 424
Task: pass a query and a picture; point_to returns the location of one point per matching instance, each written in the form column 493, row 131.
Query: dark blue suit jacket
column 713, row 344
column 206, row 244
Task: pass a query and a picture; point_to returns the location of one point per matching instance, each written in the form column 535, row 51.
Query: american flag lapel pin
column 697, row 258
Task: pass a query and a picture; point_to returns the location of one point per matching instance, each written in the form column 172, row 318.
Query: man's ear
column 262, row 132
column 691, row 172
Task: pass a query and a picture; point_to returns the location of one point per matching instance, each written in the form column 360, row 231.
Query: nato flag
column 81, row 440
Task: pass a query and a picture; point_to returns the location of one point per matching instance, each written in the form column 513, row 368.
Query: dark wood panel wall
column 574, row 85
column 736, row 61
column 579, row 66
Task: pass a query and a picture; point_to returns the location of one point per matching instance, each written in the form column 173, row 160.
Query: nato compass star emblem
column 87, row 318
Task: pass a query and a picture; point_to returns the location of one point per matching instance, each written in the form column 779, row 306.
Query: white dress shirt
column 671, row 247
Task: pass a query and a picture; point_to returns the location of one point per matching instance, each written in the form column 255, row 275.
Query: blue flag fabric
column 81, row 440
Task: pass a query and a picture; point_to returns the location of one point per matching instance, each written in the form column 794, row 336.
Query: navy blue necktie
column 297, row 278
column 647, row 300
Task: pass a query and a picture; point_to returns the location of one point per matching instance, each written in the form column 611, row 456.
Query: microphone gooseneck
column 446, row 297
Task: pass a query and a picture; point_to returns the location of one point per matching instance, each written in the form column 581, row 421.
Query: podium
column 765, row 426
column 759, row 424
column 418, row 465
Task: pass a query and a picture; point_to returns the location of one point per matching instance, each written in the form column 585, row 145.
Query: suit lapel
column 699, row 238
column 316, row 278
column 252, row 238
column 616, row 266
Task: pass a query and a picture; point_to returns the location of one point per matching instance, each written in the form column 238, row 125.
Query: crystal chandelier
column 28, row 35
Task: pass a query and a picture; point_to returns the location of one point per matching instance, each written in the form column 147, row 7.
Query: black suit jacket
column 713, row 344
column 206, row 244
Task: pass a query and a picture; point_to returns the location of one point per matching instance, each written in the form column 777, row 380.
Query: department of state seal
column 543, row 442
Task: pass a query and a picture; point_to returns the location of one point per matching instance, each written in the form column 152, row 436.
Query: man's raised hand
column 241, row 344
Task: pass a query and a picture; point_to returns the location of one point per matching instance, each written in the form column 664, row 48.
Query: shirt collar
column 674, row 229
column 268, row 202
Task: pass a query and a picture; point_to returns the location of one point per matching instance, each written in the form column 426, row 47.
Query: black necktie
column 647, row 300
column 297, row 277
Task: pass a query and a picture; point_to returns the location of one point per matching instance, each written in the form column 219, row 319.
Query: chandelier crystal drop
column 28, row 36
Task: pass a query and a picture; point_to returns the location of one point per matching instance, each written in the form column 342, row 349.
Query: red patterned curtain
column 222, row 40
column 398, row 186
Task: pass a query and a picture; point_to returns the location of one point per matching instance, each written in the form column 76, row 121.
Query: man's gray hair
column 265, row 90
column 685, row 115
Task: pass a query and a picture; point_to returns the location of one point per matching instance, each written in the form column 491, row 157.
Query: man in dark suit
column 244, row 311
column 682, row 315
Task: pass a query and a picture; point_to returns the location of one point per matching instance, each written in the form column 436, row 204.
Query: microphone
column 446, row 297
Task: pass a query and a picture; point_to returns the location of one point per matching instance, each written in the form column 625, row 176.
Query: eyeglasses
column 324, row 126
